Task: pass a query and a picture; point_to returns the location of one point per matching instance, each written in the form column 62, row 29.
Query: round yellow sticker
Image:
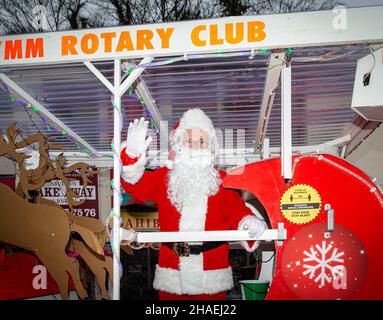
column 300, row 204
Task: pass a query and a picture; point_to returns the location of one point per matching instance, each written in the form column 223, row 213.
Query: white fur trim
column 133, row 173
column 169, row 164
column 167, row 279
column 245, row 244
column 192, row 279
column 219, row 280
column 196, row 118
column 193, row 218
column 123, row 145
column 191, row 273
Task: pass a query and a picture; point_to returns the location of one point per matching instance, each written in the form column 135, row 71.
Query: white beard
column 193, row 178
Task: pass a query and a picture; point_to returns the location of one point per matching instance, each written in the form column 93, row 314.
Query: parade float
column 290, row 79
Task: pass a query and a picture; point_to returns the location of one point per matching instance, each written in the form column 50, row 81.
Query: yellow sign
column 301, row 204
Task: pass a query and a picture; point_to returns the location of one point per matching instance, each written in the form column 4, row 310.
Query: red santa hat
column 193, row 118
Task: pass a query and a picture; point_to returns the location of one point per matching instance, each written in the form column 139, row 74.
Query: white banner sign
column 338, row 26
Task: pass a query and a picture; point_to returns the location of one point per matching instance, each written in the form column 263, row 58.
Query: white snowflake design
column 323, row 263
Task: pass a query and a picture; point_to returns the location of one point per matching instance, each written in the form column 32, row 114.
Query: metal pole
column 116, row 180
column 286, row 144
column 266, row 149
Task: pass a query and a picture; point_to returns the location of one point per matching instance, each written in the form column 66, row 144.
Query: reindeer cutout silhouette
column 50, row 229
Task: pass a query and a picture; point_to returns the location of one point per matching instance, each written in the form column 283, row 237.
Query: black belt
column 183, row 249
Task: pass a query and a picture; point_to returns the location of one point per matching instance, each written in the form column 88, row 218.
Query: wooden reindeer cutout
column 45, row 230
column 48, row 227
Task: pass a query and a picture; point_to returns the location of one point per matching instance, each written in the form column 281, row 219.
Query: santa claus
column 190, row 197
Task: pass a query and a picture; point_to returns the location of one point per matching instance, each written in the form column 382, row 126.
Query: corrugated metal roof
column 228, row 89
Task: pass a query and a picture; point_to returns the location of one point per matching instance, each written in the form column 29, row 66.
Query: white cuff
column 246, row 246
column 130, row 155
column 134, row 172
column 241, row 225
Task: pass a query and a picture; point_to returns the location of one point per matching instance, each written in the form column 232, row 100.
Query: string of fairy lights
column 50, row 128
column 328, row 56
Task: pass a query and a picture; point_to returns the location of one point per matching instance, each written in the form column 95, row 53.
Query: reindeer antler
column 9, row 147
column 84, row 169
column 60, row 170
column 44, row 146
column 12, row 132
column 35, row 178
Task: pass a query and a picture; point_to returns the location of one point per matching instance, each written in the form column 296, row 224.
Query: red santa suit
column 208, row 272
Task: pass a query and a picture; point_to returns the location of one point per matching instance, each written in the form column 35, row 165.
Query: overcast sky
column 362, row 3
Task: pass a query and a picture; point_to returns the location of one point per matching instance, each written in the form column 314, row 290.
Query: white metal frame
column 149, row 102
column 286, row 144
column 356, row 131
column 227, row 156
column 202, row 236
column 283, row 31
column 274, row 69
column 117, row 89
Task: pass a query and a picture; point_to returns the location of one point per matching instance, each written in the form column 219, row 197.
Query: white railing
column 130, row 235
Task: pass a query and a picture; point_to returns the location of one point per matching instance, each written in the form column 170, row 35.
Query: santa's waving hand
column 135, row 140
column 189, row 197
column 135, row 150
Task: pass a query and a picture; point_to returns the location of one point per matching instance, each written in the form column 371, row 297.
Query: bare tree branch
column 19, row 16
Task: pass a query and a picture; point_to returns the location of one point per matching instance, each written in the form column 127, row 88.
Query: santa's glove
column 133, row 153
column 136, row 142
column 255, row 227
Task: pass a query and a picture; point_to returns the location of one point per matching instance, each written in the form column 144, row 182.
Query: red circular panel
column 316, row 267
